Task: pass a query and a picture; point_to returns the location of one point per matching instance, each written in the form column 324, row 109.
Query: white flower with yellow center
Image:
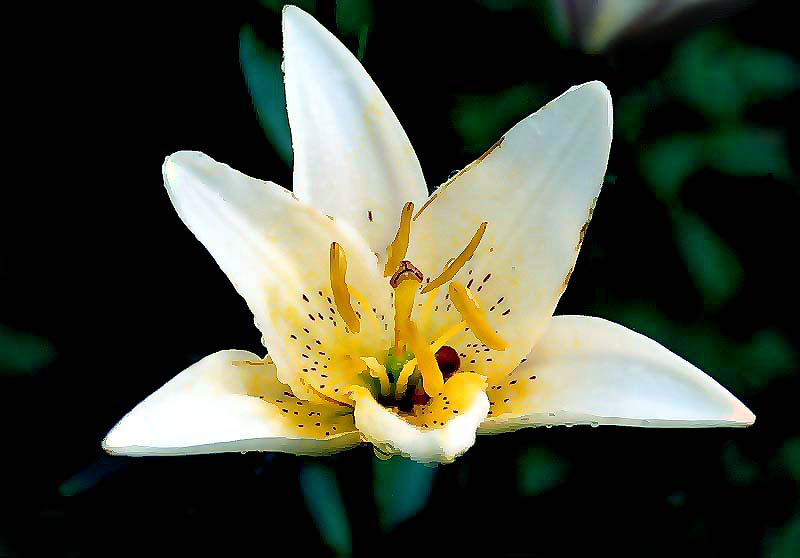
column 408, row 321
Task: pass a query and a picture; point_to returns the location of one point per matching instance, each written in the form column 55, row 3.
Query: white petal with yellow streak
column 352, row 158
column 536, row 188
column 588, row 370
column 439, row 433
column 230, row 401
column 276, row 252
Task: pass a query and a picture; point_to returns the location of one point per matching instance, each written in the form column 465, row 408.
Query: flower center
column 413, row 360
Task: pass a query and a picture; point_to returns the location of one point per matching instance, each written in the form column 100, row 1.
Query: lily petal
column 229, row 401
column 536, row 188
column 436, row 434
column 276, row 252
column 352, row 159
column 588, row 370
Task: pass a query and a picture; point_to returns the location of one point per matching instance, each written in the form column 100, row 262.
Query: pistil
column 405, row 283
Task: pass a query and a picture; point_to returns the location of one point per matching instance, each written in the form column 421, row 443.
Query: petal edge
column 588, row 370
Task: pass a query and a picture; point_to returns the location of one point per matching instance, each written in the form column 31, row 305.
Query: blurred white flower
column 599, row 24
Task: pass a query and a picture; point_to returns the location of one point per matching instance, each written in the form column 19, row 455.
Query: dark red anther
column 448, row 361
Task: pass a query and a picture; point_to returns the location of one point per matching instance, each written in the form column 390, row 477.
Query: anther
column 470, row 310
column 341, row 295
column 399, row 246
column 453, row 268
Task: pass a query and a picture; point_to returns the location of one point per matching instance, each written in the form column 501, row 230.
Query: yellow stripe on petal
column 451, row 270
column 341, row 295
column 470, row 310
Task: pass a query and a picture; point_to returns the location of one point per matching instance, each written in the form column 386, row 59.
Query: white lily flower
column 412, row 338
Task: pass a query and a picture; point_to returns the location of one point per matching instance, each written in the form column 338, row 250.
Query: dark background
column 106, row 295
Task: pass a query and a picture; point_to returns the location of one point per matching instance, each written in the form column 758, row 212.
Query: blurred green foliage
column 720, row 76
column 261, row 67
column 23, row 353
column 711, row 262
column 785, row 541
column 476, row 125
column 324, row 502
column 744, row 367
column 402, row 488
column 354, row 19
column 88, row 477
column 540, row 470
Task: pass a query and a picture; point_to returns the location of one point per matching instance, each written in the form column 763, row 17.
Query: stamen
column 448, row 334
column 402, row 380
column 399, row 246
column 378, row 371
column 470, row 310
column 451, row 270
column 426, row 309
column 408, row 368
column 405, row 282
column 432, row 380
column 341, row 296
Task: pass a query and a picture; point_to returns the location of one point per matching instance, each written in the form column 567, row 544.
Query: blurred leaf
column 277, row 5
column 324, row 502
column 352, row 16
column 740, row 470
column 355, row 18
column 769, row 73
column 769, row 355
column 785, row 542
column 631, row 110
column 712, row 264
column 720, row 76
column 736, row 150
column 742, row 367
column 669, row 162
column 505, row 5
column 540, row 470
column 91, row 475
column 261, row 67
column 402, row 488
column 23, row 353
column 480, row 128
column 790, row 456
column 747, row 151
